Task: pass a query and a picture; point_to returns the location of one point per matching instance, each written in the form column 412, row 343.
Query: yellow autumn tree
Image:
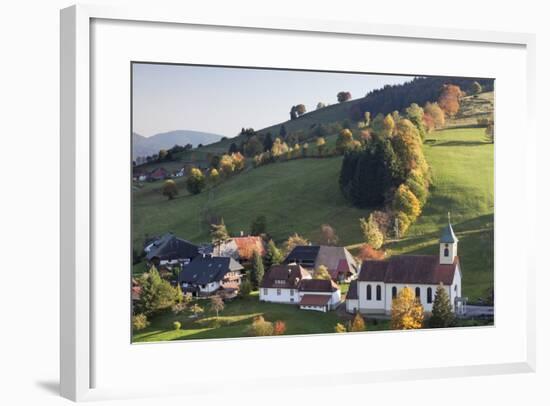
column 388, row 125
column 358, row 323
column 405, row 201
column 406, row 311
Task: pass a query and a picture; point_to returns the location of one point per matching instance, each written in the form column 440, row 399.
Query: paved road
column 478, row 311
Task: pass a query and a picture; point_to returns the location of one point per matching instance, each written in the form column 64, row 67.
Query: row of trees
column 420, row 90
column 196, row 181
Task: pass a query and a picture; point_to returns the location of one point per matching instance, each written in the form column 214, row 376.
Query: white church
column 379, row 281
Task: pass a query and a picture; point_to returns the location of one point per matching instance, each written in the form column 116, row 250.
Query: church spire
column 448, row 235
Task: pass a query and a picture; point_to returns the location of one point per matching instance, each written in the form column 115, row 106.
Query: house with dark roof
column 170, row 250
column 205, row 276
column 339, row 262
column 379, row 281
column 292, row 284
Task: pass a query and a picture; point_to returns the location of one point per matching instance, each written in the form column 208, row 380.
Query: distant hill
column 385, row 100
column 144, row 146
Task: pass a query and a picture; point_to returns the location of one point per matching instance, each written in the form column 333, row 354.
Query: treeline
column 419, row 90
column 164, row 155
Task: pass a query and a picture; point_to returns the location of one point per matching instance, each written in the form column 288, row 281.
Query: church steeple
column 448, row 244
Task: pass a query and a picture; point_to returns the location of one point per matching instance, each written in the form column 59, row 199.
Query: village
column 345, row 218
column 313, row 278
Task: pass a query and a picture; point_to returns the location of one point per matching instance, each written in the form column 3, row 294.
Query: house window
column 369, row 293
column 378, row 292
column 429, row 295
column 417, row 292
column 265, row 291
column 393, row 292
column 446, row 250
column 278, row 291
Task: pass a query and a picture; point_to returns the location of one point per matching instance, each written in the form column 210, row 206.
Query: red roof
column 315, row 300
column 247, row 246
column 419, row 269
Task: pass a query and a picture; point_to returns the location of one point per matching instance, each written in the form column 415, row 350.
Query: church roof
column 447, row 235
column 413, row 269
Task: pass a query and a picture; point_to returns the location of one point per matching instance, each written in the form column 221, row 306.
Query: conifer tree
column 258, row 273
column 273, row 255
column 442, row 310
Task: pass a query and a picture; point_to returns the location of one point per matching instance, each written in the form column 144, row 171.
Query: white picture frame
column 77, row 283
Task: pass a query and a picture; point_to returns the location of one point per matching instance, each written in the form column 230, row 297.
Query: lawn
column 462, row 165
column 235, row 319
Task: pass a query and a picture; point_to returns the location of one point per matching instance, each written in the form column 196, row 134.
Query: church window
column 417, row 292
column 393, row 292
column 429, row 295
column 369, row 292
column 378, row 292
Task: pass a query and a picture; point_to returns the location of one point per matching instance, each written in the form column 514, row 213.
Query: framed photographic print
column 231, row 190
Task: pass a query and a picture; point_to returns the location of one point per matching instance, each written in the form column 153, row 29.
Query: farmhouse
column 240, row 248
column 379, row 281
column 158, row 174
column 340, row 263
column 205, row 276
column 281, row 282
column 292, row 284
column 170, row 250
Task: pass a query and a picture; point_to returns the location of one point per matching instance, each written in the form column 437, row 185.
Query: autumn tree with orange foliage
column 406, row 311
column 279, row 328
column 449, row 100
column 367, row 252
column 434, row 115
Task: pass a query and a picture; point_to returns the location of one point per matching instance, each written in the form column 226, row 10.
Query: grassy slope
column 462, row 165
column 298, row 196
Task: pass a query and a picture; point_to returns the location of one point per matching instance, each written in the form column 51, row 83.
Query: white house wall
column 285, row 296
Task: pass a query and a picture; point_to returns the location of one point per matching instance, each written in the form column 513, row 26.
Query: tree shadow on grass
column 460, row 144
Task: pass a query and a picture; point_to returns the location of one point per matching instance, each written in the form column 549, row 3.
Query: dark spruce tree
column 442, row 311
column 268, row 142
column 367, row 175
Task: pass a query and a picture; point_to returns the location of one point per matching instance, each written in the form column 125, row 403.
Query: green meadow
column 300, row 195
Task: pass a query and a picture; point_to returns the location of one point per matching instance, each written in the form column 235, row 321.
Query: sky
column 223, row 100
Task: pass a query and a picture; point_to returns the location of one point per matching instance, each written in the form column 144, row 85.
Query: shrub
column 176, row 325
column 261, row 327
column 340, row 328
column 279, row 328
column 358, row 323
column 139, row 322
column 367, row 252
